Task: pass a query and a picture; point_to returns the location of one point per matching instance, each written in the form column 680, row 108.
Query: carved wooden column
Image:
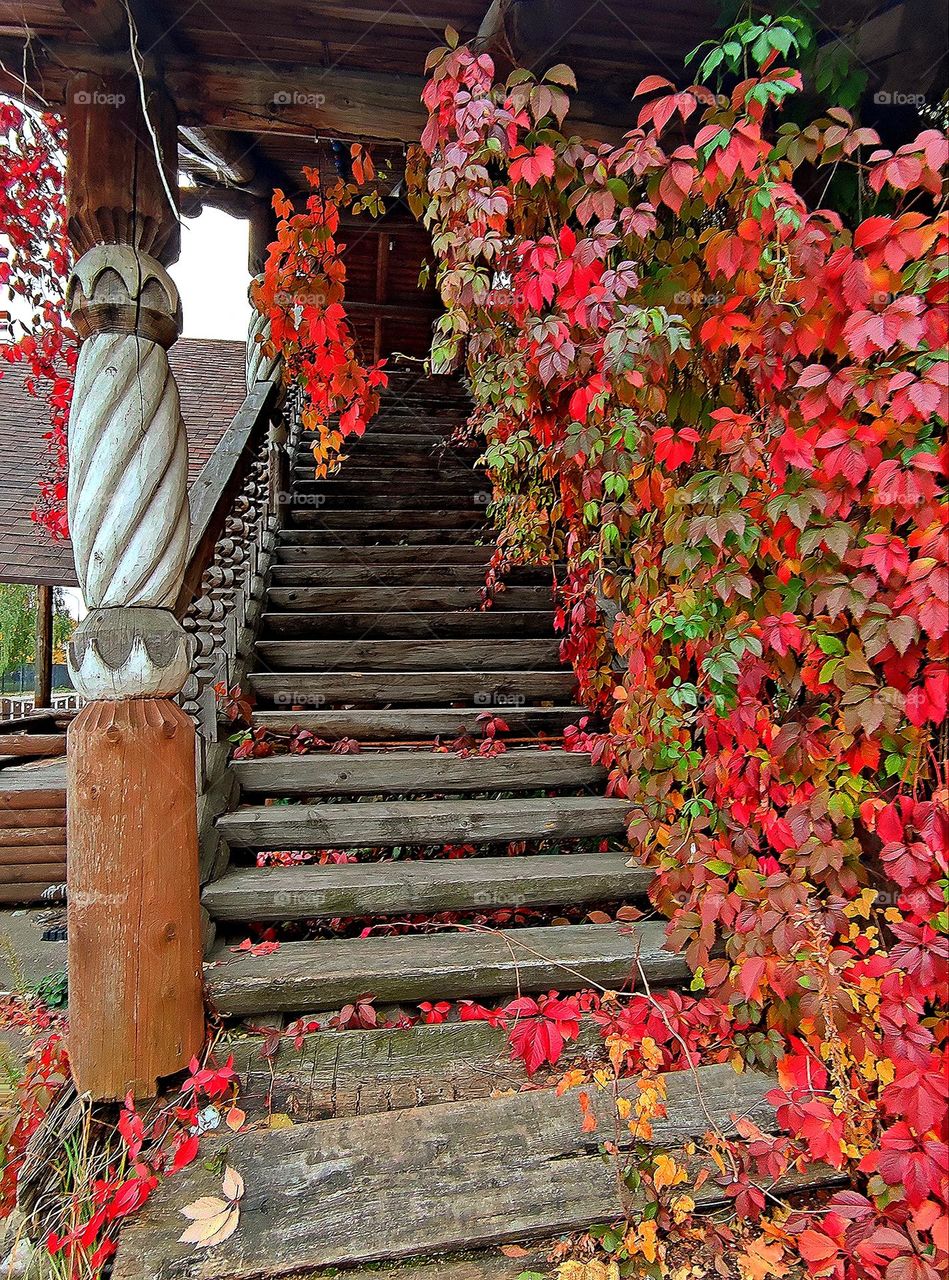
column 136, row 1010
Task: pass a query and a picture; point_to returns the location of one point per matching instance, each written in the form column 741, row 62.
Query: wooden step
column 331, row 1074
column 442, row 1178
column 387, row 656
column 461, row 554
column 425, row 599
column 362, row 571
column 390, row 536
column 312, row 495
column 529, row 624
column 384, row 823
column 309, row 976
column 416, row 888
column 492, row 690
column 308, row 518
column 418, row 723
column 409, row 772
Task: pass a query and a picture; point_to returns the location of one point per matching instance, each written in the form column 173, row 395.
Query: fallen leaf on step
column 599, row 917
column 235, row 1118
column 213, row 1220
column 233, row 1184
column 588, row 1271
column 280, row 1120
column 513, row 1251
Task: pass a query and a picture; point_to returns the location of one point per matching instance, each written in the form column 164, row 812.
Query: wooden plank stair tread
column 450, row 553
column 393, row 656
column 378, row 772
column 388, row 535
column 333, row 1074
column 412, row 598
column 442, row 1178
column 388, row 724
column 401, row 624
column 305, row 976
column 377, row 823
column 363, row 572
column 491, row 689
column 417, row 887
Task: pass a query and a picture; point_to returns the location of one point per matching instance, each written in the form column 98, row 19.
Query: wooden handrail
column 221, row 478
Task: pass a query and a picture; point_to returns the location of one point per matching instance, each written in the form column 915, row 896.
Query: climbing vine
column 722, row 401
column 34, row 266
column 302, row 293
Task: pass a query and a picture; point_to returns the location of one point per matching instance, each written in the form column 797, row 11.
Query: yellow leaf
column 233, row 1185
column 280, row 1120
column 206, row 1207
column 667, row 1173
column 762, row 1261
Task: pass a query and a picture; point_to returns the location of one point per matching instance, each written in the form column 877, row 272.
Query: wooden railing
column 13, row 707
column 235, row 514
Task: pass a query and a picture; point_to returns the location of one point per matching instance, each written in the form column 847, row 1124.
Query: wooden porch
column 349, row 607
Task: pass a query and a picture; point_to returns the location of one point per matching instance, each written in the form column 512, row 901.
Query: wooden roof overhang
column 263, row 89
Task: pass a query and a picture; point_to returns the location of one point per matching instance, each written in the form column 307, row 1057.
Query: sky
column 212, row 276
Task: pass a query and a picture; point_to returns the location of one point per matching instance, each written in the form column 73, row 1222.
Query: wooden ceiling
column 263, row 87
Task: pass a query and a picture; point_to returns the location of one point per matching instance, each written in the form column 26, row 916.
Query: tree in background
column 18, row 603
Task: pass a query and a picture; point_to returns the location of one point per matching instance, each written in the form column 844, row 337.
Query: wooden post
column 135, row 999
column 43, row 649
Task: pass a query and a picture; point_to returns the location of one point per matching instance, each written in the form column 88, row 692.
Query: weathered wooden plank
column 387, row 656
column 394, row 888
column 419, row 598
column 381, row 822
column 374, row 506
column 400, row 772
column 361, row 571
column 499, row 690
column 398, row 625
column 34, row 872
column 326, row 974
column 445, row 1177
column 28, row 799
column 461, row 553
column 52, row 816
column 382, row 535
column 434, row 519
column 348, row 1073
column 29, row 855
column 32, row 744
column 28, row 837
column 386, row 724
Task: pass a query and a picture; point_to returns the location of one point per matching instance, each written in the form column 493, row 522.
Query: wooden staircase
column 415, row 1142
column 373, row 631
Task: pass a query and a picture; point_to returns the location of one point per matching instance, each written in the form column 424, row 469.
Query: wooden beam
column 252, row 96
column 43, row 654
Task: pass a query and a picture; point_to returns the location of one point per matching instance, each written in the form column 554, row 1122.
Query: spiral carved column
column 261, row 367
column 136, row 1008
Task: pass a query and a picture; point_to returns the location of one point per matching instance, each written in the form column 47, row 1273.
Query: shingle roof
column 210, row 374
